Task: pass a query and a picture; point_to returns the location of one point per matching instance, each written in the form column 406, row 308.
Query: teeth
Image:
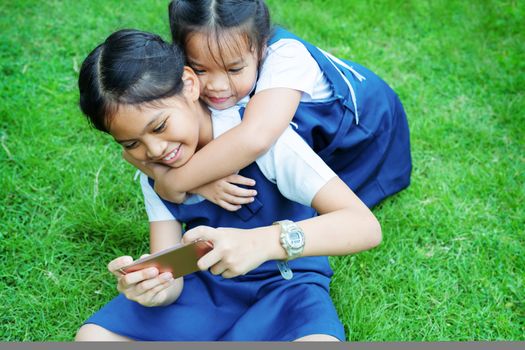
column 171, row 155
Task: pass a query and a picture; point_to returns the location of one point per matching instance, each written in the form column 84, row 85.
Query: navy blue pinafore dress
column 259, row 306
column 361, row 132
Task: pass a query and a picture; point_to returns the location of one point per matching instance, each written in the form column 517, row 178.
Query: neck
column 205, row 124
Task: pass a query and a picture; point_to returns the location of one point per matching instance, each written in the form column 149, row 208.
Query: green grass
column 452, row 263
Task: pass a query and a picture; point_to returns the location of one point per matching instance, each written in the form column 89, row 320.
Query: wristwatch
column 292, row 238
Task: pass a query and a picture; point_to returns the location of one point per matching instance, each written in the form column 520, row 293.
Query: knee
column 317, row 337
column 93, row 332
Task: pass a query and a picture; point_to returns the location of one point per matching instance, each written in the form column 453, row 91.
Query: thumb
column 118, row 263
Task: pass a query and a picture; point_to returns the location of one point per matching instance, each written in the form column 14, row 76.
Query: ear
column 260, row 55
column 191, row 87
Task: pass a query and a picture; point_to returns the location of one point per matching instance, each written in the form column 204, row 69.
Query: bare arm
column 345, row 225
column 267, row 115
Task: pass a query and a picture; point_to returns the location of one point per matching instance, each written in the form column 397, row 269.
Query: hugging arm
column 267, row 115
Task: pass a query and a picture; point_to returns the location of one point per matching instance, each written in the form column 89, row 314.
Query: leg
column 93, row 332
column 317, row 337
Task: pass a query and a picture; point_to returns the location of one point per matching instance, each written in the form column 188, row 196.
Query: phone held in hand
column 180, row 260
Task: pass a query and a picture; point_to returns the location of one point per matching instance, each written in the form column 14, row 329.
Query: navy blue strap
column 332, row 70
column 249, row 210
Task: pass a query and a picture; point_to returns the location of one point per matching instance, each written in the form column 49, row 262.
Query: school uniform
column 261, row 305
column 347, row 114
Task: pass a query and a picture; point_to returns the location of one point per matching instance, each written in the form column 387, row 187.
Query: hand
column 147, row 287
column 226, row 194
column 158, row 173
column 235, row 251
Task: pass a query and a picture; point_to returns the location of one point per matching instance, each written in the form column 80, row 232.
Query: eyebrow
column 152, row 121
column 194, row 62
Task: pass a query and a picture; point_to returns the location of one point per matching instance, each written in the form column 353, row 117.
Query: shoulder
column 295, row 168
column 285, row 50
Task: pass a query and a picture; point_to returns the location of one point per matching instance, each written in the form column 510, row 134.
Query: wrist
column 268, row 242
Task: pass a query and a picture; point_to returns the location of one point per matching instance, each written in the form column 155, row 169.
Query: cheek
column 135, row 153
column 245, row 83
column 202, row 82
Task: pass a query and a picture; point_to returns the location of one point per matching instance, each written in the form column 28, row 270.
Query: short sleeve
column 155, row 208
column 296, row 169
column 288, row 64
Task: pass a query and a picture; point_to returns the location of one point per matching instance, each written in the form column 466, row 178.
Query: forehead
column 219, row 48
column 131, row 119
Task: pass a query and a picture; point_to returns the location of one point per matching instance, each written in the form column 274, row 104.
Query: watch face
column 295, row 239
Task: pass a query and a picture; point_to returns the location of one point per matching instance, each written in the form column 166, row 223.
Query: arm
column 267, row 115
column 345, row 225
column 147, row 286
column 223, row 192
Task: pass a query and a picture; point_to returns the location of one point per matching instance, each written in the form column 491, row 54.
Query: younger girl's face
column 227, row 75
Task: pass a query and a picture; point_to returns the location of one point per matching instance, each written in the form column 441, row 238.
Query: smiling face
column 227, row 72
column 167, row 131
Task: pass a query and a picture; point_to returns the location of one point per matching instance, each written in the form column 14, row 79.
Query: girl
column 347, row 114
column 260, row 281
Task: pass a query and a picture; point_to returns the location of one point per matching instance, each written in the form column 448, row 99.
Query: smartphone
column 180, row 260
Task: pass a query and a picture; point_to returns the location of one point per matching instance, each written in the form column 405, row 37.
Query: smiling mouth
column 218, row 99
column 172, row 156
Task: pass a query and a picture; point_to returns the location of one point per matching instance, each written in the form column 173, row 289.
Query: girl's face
column 166, row 131
column 227, row 75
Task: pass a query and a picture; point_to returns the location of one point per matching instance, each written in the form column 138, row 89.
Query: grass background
column 452, row 263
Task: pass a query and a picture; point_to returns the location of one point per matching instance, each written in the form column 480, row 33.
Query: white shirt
column 291, row 164
column 288, row 64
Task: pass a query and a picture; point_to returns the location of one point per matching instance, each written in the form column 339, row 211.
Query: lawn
column 452, row 262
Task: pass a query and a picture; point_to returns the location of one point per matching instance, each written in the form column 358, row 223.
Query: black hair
column 130, row 67
column 218, row 18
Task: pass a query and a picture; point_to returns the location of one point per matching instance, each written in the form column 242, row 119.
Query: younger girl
column 347, row 114
column 260, row 281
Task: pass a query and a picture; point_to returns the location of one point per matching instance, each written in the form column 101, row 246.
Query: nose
column 155, row 148
column 218, row 82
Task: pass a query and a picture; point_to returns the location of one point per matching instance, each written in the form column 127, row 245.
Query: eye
column 199, row 71
column 160, row 128
column 130, row 145
column 235, row 70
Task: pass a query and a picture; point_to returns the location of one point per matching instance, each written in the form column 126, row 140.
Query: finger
column 241, row 180
column 234, row 200
column 116, row 264
column 229, row 274
column 133, row 278
column 199, row 232
column 149, row 286
column 208, row 260
column 237, row 191
column 228, row 206
column 153, row 296
column 218, row 269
